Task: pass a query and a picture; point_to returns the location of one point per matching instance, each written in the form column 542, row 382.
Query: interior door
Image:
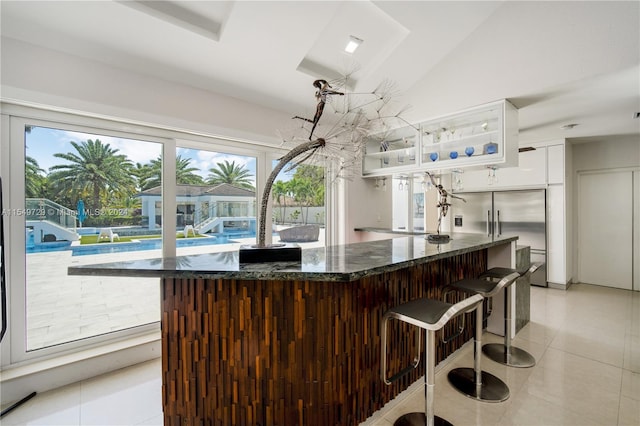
column 636, row 230
column 605, row 223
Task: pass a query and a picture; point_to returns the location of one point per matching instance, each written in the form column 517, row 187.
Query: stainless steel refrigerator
column 507, row 213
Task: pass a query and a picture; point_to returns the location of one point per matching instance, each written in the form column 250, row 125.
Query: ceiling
column 558, row 62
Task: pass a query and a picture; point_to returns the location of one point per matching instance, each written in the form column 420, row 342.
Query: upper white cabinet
column 393, row 151
column 555, row 163
column 481, row 136
column 531, row 171
column 474, row 138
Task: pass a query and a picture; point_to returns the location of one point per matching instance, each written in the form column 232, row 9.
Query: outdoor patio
column 63, row 308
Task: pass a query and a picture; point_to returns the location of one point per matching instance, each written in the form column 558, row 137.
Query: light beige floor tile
column 125, row 397
column 630, row 384
column 599, row 404
column 380, row 422
column 629, row 412
column 530, row 410
column 632, row 353
column 581, row 384
column 597, row 345
column 568, row 363
column 57, row 407
column 537, row 333
column 156, row 421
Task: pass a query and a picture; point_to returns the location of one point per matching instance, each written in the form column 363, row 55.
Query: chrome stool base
column 419, row 419
column 492, row 388
column 513, row 356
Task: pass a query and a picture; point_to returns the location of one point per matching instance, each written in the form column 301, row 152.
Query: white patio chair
column 187, row 229
column 107, row 233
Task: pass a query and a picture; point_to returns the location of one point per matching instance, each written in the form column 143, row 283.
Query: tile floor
column 586, row 341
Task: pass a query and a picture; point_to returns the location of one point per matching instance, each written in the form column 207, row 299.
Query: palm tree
column 280, row 191
column 34, row 181
column 150, row 175
column 230, row 173
column 315, row 177
column 143, row 174
column 95, row 170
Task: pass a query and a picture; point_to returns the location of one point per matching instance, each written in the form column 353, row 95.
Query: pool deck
column 63, row 308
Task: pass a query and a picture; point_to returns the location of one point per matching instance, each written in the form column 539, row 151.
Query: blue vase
column 433, row 156
column 469, row 151
column 490, row 148
column 453, row 155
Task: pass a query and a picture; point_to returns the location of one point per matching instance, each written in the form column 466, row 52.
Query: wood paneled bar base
column 240, row 348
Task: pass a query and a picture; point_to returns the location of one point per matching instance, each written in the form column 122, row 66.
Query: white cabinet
column 531, row 171
column 486, row 135
column 474, row 138
column 390, row 152
column 556, row 235
column 555, row 163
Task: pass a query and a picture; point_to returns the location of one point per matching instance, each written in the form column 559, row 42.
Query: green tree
column 231, row 173
column 315, row 177
column 95, row 170
column 150, row 175
column 294, row 215
column 308, row 185
column 304, row 194
column 280, row 192
column 34, row 179
column 315, row 173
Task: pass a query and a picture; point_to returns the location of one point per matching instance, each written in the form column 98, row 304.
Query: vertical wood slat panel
column 239, row 352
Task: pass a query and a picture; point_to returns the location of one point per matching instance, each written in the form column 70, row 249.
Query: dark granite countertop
column 335, row 263
column 390, row 231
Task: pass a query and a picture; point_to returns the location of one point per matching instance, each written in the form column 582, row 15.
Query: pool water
column 144, row 244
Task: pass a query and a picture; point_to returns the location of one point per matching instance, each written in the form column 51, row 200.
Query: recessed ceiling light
column 568, row 126
column 352, row 44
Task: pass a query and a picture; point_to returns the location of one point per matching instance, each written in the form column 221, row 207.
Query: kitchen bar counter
column 299, row 344
column 337, row 263
column 389, row 231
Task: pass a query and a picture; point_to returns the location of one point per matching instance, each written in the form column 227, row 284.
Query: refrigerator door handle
column 488, row 223
column 499, row 224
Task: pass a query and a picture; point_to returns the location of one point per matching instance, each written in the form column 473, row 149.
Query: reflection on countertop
column 334, row 263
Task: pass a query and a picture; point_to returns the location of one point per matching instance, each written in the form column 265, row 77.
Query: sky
column 42, row 143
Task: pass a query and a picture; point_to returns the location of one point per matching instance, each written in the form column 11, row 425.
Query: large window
column 298, row 199
column 82, row 206
column 82, row 190
column 409, row 209
column 215, row 199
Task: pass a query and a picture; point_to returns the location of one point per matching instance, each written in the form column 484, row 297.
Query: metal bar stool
column 430, row 315
column 473, row 382
column 505, row 353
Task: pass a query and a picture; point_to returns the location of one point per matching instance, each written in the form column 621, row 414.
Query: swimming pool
column 146, row 244
column 138, row 245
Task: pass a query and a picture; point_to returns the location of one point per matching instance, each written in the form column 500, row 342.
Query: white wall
column 367, row 206
column 609, row 153
column 43, row 76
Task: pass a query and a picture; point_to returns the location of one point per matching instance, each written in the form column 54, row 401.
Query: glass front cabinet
column 483, row 136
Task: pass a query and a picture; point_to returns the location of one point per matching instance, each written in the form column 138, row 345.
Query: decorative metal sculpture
column 356, row 116
column 324, row 89
column 443, row 209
